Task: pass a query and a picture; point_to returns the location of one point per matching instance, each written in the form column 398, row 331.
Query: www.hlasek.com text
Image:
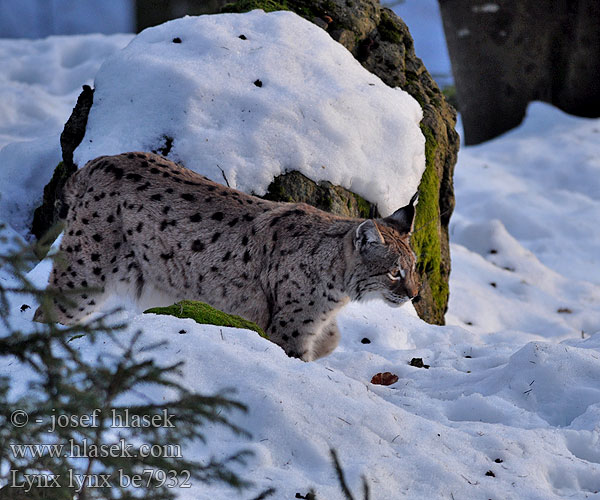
column 86, row 449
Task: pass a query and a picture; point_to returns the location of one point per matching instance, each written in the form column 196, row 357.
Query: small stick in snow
column 224, row 176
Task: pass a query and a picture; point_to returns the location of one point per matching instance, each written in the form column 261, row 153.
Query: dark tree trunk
column 153, row 12
column 507, row 53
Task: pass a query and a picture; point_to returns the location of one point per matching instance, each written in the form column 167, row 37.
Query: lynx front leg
column 292, row 335
column 327, row 341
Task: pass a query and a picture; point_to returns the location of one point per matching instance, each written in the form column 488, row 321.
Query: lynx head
column 385, row 265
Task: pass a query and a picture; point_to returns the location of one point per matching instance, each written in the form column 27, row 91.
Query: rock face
column 382, row 43
column 295, row 187
column 510, row 52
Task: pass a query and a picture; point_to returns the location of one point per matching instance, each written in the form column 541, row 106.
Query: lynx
column 139, row 220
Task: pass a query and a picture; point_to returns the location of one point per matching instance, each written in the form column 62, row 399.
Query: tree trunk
column 153, row 12
column 507, row 53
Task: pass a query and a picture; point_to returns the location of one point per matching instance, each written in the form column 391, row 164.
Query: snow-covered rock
column 253, row 95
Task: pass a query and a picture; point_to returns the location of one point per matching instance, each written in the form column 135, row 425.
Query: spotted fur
column 139, row 220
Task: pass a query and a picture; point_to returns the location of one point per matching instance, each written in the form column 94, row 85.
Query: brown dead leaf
column 385, row 378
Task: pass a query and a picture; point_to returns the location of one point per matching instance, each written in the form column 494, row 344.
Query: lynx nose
column 413, row 291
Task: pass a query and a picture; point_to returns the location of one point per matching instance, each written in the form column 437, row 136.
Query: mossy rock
column 450, row 95
column 426, row 239
column 50, row 212
column 247, row 5
column 380, row 40
column 295, row 187
column 47, row 214
column 206, row 315
column 309, row 9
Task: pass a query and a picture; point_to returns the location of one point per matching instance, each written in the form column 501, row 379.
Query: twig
column 224, row 176
column 340, row 475
column 265, row 494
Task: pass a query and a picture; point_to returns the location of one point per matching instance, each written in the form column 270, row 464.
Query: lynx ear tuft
column 367, row 234
column 404, row 218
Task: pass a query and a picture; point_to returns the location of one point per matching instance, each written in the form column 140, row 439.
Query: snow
column 317, row 110
column 41, row 18
column 39, row 85
column 514, row 380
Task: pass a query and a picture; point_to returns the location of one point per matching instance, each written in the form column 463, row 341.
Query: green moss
column 363, row 206
column 206, row 315
column 388, row 30
column 247, row 5
column 308, row 9
column 419, row 98
column 426, row 240
column 277, row 191
column 411, row 76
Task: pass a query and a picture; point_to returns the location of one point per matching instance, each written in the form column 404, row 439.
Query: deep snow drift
column 514, row 381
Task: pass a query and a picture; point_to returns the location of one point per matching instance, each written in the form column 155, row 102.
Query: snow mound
column 493, row 274
column 453, row 422
column 40, row 81
column 556, row 381
column 542, row 180
column 251, row 96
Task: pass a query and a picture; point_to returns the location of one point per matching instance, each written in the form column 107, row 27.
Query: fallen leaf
column 386, row 378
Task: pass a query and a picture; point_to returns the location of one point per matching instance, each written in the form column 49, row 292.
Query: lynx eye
column 396, row 274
